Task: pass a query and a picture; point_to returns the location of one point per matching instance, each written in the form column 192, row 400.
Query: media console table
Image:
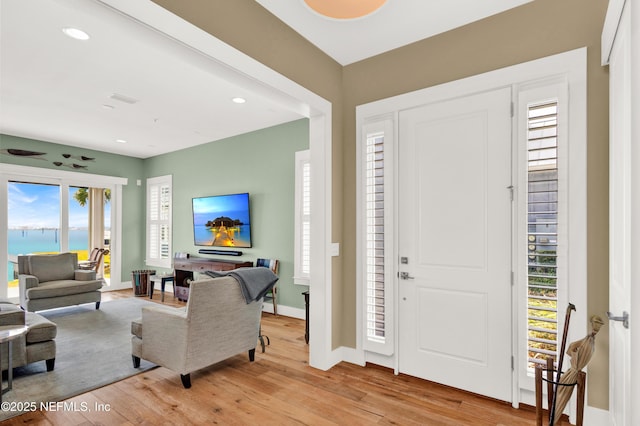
column 184, row 269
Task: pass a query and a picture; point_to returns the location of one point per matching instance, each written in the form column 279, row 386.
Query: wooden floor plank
column 279, row 388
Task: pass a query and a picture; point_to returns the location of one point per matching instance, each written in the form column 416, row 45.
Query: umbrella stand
column 543, row 374
column 580, row 353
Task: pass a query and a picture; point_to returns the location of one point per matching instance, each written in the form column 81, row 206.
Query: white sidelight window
column 542, row 231
column 159, row 221
column 302, row 233
column 376, row 212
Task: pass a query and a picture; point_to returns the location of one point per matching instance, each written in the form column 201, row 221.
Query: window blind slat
column 374, row 211
column 542, row 236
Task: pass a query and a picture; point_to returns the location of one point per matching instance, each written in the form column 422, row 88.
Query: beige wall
column 537, row 29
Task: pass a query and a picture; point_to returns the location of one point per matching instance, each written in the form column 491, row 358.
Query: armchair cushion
column 53, row 267
column 63, row 288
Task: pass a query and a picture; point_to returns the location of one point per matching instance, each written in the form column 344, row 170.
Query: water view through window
column 34, row 219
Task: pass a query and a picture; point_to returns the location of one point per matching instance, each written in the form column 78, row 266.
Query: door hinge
column 510, row 188
column 512, row 109
column 512, row 363
column 513, row 279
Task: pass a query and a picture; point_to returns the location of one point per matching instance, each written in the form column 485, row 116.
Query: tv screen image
column 222, row 221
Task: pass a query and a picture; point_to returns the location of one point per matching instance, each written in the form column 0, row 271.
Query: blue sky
column 38, row 206
column 235, row 206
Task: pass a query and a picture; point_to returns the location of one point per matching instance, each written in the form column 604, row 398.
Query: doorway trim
column 571, row 66
column 247, row 72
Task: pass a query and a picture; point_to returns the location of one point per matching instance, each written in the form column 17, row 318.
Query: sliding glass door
column 53, row 218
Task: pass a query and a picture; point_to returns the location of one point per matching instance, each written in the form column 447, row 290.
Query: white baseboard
column 284, row 310
column 352, row 356
column 123, row 286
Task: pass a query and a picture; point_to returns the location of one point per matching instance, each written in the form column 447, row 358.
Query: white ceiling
column 54, row 88
column 396, row 23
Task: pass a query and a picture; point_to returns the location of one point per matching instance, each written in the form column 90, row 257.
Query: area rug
column 93, row 349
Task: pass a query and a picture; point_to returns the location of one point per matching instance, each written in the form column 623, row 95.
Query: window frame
column 527, row 95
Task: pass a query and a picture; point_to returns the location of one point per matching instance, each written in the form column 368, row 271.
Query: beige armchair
column 216, row 324
column 49, row 281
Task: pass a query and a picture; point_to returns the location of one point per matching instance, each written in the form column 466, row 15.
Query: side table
column 8, row 334
column 163, row 281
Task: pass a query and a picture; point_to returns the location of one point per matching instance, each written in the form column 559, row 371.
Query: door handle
column 624, row 318
column 406, row 276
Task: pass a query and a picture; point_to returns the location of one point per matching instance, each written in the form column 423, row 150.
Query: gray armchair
column 216, row 324
column 54, row 280
column 37, row 344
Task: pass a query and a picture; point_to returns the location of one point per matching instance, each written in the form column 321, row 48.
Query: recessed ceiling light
column 121, row 141
column 344, row 9
column 239, row 100
column 75, row 33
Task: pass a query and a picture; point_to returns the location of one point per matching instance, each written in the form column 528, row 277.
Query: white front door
column 455, row 243
column 622, row 223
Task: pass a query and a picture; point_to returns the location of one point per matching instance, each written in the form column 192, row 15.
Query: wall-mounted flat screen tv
column 222, row 221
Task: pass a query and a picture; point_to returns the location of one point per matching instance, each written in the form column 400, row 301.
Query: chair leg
column 50, row 364
column 186, row 380
column 261, row 338
column 274, row 293
column 97, row 305
column 136, row 361
column 252, row 354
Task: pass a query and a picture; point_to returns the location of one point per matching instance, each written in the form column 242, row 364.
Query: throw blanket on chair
column 254, row 282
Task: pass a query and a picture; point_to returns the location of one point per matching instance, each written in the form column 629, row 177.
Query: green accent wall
column 260, row 163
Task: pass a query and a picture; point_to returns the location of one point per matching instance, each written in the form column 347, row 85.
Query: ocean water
column 241, row 236
column 43, row 240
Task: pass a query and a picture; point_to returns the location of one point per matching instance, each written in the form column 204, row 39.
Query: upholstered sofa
column 49, row 281
column 216, row 324
column 37, row 344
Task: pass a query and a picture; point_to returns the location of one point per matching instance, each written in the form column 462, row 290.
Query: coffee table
column 8, row 334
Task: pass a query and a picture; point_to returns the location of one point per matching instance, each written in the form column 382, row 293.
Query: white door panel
column 621, row 223
column 454, row 229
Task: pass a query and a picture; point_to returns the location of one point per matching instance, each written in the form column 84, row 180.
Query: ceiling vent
column 123, row 98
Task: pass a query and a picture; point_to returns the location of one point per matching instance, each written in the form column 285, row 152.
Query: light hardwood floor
column 279, row 388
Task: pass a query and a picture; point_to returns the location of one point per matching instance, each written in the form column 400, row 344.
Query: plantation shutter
column 159, row 222
column 378, row 259
column 302, row 237
column 542, row 232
